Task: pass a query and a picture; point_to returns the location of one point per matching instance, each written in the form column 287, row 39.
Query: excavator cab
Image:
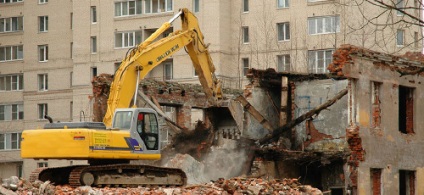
column 143, row 126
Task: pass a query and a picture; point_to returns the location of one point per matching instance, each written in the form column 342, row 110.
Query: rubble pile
column 237, row 185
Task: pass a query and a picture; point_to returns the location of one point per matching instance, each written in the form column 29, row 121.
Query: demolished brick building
column 354, row 131
column 368, row 141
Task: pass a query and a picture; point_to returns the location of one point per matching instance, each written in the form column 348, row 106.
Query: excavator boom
column 149, row 54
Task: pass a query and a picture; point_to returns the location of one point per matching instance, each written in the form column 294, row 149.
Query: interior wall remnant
column 329, row 124
column 406, row 182
column 406, row 110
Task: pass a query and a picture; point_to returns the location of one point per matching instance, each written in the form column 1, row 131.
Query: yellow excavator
column 127, row 133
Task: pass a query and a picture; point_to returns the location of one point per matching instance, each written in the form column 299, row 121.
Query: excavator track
column 111, row 175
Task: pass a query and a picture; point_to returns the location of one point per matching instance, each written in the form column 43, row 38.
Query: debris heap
column 237, row 185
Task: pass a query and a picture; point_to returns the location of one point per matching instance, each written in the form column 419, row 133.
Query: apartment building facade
column 50, row 50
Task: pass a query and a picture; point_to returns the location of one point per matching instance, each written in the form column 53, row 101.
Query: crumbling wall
column 101, row 88
column 377, row 137
column 325, row 131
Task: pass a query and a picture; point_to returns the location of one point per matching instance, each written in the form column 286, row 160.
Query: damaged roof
column 410, row 63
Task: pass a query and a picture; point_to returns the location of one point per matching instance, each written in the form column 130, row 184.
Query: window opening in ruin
column 376, row 185
column 375, row 104
column 352, row 107
column 406, row 110
column 406, row 182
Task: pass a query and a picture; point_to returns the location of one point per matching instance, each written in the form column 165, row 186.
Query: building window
column 168, row 71
column 11, row 53
column 376, row 185
column 93, row 44
column 71, row 110
column 416, row 39
column 158, row 6
column 42, row 164
column 42, row 1
column 127, row 39
column 12, row 24
column 10, row 141
column 128, row 8
column 72, row 50
column 406, row 110
column 11, row 112
column 10, row 1
column 376, row 104
column 245, row 5
column 245, row 31
column 318, row 60
column 246, row 66
column 43, row 82
column 11, row 82
column 71, row 79
column 42, row 111
column 43, row 23
column 282, row 3
column 116, row 65
column 72, row 20
column 400, row 6
column 283, row 63
column 43, row 53
column 324, row 25
column 93, row 72
column 400, row 37
column 283, row 31
column 407, row 182
column 196, row 5
column 93, row 13
column 19, row 170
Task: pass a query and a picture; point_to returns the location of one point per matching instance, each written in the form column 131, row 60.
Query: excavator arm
column 146, row 56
